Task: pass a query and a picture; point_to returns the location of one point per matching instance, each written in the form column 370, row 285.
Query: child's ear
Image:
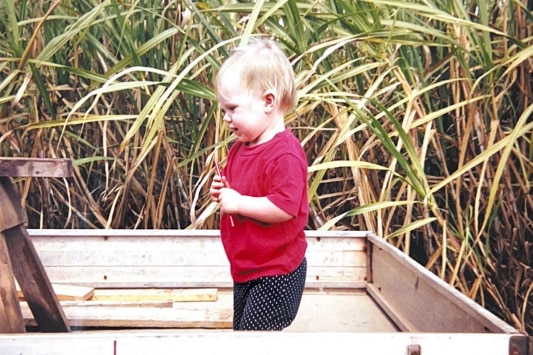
column 270, row 101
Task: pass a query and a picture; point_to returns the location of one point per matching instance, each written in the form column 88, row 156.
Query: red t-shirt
column 276, row 169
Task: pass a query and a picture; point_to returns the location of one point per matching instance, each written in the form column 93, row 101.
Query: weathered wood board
column 180, row 259
column 33, row 280
column 170, row 259
column 18, row 258
column 174, row 295
column 263, row 343
column 11, row 320
column 426, row 303
column 358, row 285
column 340, row 311
column 179, row 315
column 113, row 303
column 66, row 292
column 35, row 167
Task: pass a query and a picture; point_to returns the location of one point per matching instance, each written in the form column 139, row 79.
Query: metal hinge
column 521, row 345
column 414, row 349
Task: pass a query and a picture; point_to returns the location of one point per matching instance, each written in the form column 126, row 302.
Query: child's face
column 247, row 113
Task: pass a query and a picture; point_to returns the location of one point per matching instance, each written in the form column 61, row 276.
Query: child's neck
column 269, row 134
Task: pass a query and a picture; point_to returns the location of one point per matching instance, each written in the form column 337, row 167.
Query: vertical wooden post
column 18, row 257
column 34, row 282
column 11, row 320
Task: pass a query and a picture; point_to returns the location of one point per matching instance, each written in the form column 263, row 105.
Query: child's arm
column 258, row 208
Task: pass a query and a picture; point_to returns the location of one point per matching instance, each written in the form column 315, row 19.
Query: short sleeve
column 287, row 178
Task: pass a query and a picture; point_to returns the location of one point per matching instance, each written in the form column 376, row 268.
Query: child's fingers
column 225, row 182
column 216, row 185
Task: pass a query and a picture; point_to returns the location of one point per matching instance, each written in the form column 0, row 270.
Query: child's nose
column 227, row 117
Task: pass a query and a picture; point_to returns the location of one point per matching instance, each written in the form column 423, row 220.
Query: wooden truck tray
column 164, row 291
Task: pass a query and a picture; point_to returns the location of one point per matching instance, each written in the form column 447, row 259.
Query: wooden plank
column 11, row 212
column 421, row 302
column 112, row 303
column 172, row 250
column 201, row 233
column 180, row 255
column 333, row 310
column 66, row 292
column 190, row 277
column 155, row 251
column 34, row 282
column 164, row 259
column 37, row 167
column 11, row 320
column 175, row 295
column 182, row 315
column 390, row 309
column 142, row 277
column 25, row 263
column 165, row 342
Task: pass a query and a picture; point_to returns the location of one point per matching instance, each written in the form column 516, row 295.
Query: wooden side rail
column 181, row 258
column 428, row 304
column 166, row 343
column 35, row 167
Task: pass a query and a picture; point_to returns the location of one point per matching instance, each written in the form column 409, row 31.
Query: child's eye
column 228, row 109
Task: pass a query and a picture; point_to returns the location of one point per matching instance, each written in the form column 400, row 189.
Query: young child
column 263, row 188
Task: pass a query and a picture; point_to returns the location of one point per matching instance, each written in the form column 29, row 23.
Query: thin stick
column 219, row 174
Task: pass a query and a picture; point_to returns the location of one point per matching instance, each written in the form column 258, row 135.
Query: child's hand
column 229, row 199
column 216, row 185
column 220, row 191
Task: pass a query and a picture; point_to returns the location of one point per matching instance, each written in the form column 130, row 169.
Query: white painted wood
column 180, row 315
column 175, row 232
column 181, row 277
column 324, row 311
column 262, row 343
column 421, row 302
column 139, row 258
column 412, row 297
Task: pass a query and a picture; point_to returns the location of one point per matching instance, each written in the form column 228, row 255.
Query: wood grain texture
column 166, row 342
column 11, row 320
column 34, row 281
column 66, row 292
column 177, row 259
column 421, row 302
column 35, row 167
column 11, row 212
column 20, row 259
column 174, row 295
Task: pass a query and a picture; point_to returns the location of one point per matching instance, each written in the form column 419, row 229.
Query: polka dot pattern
column 268, row 303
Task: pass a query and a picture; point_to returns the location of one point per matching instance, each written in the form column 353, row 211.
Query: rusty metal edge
column 521, row 345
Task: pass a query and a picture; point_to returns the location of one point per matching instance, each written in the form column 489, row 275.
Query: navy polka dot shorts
column 268, row 303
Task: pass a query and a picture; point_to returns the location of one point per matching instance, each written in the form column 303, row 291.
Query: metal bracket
column 414, row 349
column 521, row 345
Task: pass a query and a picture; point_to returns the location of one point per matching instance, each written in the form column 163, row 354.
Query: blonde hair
column 262, row 66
